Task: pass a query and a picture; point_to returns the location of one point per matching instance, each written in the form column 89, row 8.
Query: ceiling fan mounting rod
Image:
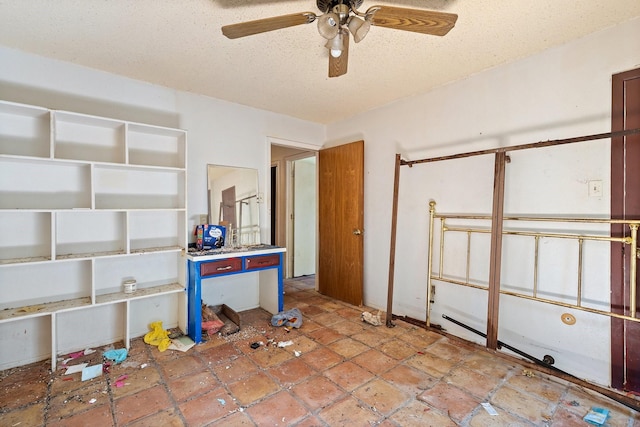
column 327, row 5
column 342, row 10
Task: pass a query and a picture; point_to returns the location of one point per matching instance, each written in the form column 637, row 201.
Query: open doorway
column 294, row 207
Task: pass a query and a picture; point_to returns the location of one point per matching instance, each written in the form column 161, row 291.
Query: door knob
column 357, row 231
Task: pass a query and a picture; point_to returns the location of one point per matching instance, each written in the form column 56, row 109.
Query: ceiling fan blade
column 258, row 26
column 416, row 20
column 338, row 66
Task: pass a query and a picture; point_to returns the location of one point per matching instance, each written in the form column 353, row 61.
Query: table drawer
column 220, row 267
column 262, row 261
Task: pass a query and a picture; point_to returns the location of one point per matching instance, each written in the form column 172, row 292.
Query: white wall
column 558, row 93
column 219, row 133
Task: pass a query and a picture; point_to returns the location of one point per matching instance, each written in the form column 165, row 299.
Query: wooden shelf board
column 90, row 255
column 157, row 249
column 43, row 309
column 140, row 293
column 66, row 257
column 25, row 260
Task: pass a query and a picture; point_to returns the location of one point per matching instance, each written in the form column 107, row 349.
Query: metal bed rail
column 631, row 240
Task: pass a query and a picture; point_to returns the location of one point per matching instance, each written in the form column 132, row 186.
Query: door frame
column 284, row 202
column 289, row 212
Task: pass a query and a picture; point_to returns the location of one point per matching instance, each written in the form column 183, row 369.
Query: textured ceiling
column 178, row 44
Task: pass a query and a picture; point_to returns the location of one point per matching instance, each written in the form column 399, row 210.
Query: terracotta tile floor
column 338, row 372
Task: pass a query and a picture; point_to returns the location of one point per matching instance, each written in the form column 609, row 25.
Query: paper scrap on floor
column 91, row 372
column 75, row 368
column 182, row 343
column 490, row 409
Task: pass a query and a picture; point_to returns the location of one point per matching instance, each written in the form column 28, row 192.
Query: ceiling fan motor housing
column 328, row 5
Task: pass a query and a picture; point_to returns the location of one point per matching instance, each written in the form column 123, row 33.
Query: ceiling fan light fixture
column 358, row 28
column 336, row 45
column 328, row 25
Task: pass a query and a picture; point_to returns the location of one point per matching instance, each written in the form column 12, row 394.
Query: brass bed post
column 580, row 255
column 443, row 227
column 633, row 269
column 535, row 266
column 432, row 213
column 468, row 269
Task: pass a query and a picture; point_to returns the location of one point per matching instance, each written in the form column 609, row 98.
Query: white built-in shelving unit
column 87, row 203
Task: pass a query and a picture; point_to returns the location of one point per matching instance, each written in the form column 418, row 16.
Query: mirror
column 233, row 202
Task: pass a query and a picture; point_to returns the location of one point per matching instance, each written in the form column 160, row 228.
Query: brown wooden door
column 625, row 204
column 340, row 222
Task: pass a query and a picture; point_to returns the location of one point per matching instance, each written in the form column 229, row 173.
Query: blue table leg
column 194, row 302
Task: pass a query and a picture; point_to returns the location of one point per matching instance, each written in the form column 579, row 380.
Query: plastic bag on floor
column 291, row 318
column 158, row 336
column 117, row 356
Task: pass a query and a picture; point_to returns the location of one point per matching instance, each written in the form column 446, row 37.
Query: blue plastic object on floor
column 116, row 355
column 597, row 416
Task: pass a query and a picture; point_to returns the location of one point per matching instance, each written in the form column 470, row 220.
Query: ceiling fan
column 341, row 17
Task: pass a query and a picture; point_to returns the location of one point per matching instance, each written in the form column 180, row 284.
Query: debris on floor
column 528, row 373
column 182, row 343
column 220, row 319
column 291, row 318
column 211, row 323
column 117, row 356
column 76, row 355
column 247, row 332
column 130, row 364
column 75, row 368
column 158, row 336
column 120, row 381
column 490, row 409
column 283, row 344
column 371, row 319
column 597, row 416
column 91, row 372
